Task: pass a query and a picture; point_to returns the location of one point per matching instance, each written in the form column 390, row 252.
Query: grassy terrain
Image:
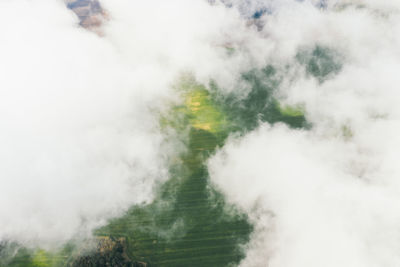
column 189, row 224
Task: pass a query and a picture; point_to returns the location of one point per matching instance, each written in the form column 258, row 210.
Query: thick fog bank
column 328, row 195
column 80, row 134
column 81, row 143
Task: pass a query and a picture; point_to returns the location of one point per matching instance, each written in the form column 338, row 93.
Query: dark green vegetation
column 259, row 105
column 108, row 252
column 320, row 62
column 189, row 223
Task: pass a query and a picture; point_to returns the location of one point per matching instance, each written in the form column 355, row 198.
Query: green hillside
column 189, row 223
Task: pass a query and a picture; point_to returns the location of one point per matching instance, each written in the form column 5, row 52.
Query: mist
column 78, row 143
column 327, row 195
column 80, row 110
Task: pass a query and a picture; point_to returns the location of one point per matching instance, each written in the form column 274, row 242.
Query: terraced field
column 189, row 223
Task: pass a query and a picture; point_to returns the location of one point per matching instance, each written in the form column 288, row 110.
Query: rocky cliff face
column 90, row 13
column 109, row 252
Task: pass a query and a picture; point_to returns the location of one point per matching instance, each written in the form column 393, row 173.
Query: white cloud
column 79, row 137
column 328, row 196
column 79, row 144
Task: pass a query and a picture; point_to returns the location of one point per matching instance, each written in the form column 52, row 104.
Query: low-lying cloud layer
column 329, row 195
column 79, row 136
column 80, row 139
column 78, row 144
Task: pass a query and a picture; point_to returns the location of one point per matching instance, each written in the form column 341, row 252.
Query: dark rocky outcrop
column 90, row 13
column 109, row 252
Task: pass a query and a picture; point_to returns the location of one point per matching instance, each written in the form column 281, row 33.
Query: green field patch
column 189, row 223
